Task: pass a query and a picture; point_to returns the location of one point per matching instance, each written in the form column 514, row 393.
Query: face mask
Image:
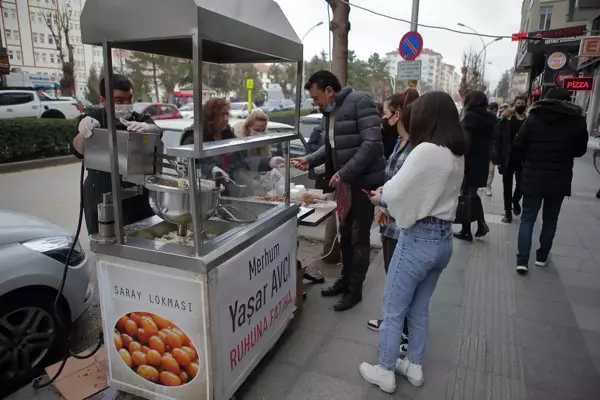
column 520, row 109
column 330, row 108
column 123, row 111
column 255, row 133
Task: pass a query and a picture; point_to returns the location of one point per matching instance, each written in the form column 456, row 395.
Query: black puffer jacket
column 478, row 124
column 553, row 134
column 502, row 143
column 358, row 155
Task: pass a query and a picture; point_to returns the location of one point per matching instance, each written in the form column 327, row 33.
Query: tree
column 379, row 77
column 60, row 24
column 340, row 27
column 242, row 72
column 358, row 73
column 503, row 85
column 471, row 73
column 92, row 91
column 317, row 63
column 285, row 76
column 220, row 79
column 169, row 73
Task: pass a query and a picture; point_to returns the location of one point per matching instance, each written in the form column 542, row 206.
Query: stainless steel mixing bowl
column 170, row 199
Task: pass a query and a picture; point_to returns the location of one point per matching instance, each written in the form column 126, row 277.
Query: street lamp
column 304, row 62
column 484, row 51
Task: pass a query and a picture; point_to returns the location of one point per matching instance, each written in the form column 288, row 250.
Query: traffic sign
column 249, row 84
column 411, row 45
column 409, row 70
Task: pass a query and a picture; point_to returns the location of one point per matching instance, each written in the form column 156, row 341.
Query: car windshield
column 237, row 106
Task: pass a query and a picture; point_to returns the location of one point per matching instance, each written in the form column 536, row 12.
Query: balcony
column 583, row 10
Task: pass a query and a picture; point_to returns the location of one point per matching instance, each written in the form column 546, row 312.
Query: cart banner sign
column 154, row 321
column 255, row 300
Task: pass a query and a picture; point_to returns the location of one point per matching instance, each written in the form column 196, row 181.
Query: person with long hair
column 478, row 124
column 240, row 165
column 422, row 198
column 254, row 125
column 395, row 109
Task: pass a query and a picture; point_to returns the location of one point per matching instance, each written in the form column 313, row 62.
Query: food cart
column 195, row 296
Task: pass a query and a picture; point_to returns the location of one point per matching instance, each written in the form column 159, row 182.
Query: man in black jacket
column 502, row 156
column 553, row 134
column 353, row 156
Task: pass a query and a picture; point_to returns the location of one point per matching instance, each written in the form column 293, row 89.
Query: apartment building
column 32, row 48
column 435, row 74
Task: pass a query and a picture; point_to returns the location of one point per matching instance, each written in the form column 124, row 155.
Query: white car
column 33, row 104
column 32, row 257
column 187, row 111
column 240, row 110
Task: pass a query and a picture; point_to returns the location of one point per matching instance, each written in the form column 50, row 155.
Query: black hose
column 57, row 314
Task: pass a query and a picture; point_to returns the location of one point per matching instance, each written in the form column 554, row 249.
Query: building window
column 34, row 37
column 8, row 34
column 42, row 36
column 6, row 13
column 50, row 39
column 545, row 18
column 51, row 58
column 36, row 55
column 13, row 13
column 18, row 55
column 44, row 58
column 16, row 35
column 11, row 54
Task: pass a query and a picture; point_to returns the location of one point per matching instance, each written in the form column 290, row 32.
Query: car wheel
column 30, row 336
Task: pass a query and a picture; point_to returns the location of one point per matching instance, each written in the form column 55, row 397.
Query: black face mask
column 520, row 109
column 387, row 128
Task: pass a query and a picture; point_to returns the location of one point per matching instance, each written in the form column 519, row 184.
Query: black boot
column 465, row 233
column 339, row 287
column 507, row 217
column 349, row 300
column 482, row 228
column 598, row 194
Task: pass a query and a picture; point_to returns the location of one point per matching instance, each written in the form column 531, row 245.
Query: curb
column 35, row 164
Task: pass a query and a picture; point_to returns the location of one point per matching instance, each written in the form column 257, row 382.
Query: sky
column 371, row 33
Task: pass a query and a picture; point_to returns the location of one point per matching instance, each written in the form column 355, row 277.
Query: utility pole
column 414, row 20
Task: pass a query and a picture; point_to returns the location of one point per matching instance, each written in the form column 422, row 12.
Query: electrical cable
column 57, row 314
column 436, row 26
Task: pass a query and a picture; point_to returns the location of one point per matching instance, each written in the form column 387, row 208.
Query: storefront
column 550, row 58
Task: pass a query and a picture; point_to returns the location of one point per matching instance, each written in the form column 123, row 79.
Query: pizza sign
column 557, row 60
column 582, row 84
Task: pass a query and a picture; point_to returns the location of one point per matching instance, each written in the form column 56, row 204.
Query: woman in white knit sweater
column 422, row 198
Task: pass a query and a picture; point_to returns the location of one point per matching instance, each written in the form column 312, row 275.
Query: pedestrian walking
column 492, row 168
column 478, row 124
column 554, row 133
column 508, row 166
column 396, row 110
column 353, row 158
column 422, row 198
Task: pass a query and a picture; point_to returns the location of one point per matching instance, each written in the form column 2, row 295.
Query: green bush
column 286, row 117
column 23, row 139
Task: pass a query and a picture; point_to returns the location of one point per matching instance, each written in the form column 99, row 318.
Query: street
column 493, row 334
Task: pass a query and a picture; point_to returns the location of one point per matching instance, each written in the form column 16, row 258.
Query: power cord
column 57, row 314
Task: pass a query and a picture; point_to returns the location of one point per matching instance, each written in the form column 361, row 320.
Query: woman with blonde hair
column 255, row 124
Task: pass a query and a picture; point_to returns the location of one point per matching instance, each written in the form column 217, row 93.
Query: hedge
column 25, row 139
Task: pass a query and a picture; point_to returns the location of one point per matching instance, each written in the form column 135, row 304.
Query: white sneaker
column 522, row 269
column 413, row 372
column 488, row 191
column 374, row 374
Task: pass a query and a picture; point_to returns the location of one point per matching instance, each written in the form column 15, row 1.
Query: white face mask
column 123, row 111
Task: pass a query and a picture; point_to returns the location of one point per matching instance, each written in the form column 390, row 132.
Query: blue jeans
column 550, row 212
column 422, row 253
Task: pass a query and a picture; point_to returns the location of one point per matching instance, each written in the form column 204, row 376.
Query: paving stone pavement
column 492, row 335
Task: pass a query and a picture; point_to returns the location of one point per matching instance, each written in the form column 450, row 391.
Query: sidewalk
column 493, row 334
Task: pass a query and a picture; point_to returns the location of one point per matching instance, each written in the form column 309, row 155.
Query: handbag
column 469, row 209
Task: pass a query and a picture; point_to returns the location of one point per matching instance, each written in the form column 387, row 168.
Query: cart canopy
column 233, row 31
